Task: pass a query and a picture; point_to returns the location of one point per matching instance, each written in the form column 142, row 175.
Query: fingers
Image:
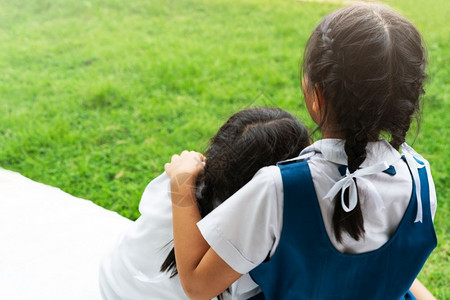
column 187, row 162
column 184, row 153
column 174, row 157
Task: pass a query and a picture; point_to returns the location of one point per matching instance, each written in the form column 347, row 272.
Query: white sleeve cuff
column 224, row 248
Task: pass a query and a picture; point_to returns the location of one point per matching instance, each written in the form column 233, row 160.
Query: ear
column 319, row 101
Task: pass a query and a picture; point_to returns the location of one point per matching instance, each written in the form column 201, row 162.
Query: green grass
column 95, row 96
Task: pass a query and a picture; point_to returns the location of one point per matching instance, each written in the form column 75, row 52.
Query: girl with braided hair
column 351, row 217
column 142, row 264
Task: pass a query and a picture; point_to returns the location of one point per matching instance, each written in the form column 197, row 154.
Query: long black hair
column 249, row 140
column 369, row 64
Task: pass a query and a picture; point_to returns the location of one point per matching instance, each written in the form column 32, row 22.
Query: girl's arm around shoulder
column 202, row 273
column 205, row 273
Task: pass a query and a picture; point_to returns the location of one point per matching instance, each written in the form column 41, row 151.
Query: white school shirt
column 247, row 226
column 130, row 270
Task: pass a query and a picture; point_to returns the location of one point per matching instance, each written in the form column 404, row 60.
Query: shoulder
column 161, row 181
column 156, row 194
column 267, row 175
column 266, row 184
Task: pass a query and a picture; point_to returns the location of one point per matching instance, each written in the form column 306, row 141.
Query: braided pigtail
column 406, row 104
column 350, row 222
column 398, row 137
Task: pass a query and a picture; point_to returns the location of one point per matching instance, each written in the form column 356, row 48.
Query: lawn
column 95, row 96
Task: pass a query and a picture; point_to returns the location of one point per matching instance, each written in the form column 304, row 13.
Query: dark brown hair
column 369, row 63
column 249, row 140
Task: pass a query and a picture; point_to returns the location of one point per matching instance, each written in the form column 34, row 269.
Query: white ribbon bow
column 349, row 182
column 409, row 154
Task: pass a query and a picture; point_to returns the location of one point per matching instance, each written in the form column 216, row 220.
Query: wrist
column 182, row 182
column 182, row 191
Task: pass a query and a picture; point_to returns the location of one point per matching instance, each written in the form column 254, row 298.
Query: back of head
column 369, row 63
column 249, row 140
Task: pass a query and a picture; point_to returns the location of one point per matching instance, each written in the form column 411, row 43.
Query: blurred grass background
column 95, row 96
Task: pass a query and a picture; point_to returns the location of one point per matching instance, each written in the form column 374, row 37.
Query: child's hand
column 187, row 163
column 182, row 171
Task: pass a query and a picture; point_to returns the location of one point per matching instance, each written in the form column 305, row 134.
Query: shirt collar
column 333, row 151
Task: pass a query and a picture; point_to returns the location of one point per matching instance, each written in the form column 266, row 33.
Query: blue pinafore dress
column 306, row 265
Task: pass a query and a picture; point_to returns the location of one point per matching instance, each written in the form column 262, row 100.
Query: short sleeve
column 246, row 228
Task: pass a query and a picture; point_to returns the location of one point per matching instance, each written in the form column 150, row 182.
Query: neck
column 330, row 133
